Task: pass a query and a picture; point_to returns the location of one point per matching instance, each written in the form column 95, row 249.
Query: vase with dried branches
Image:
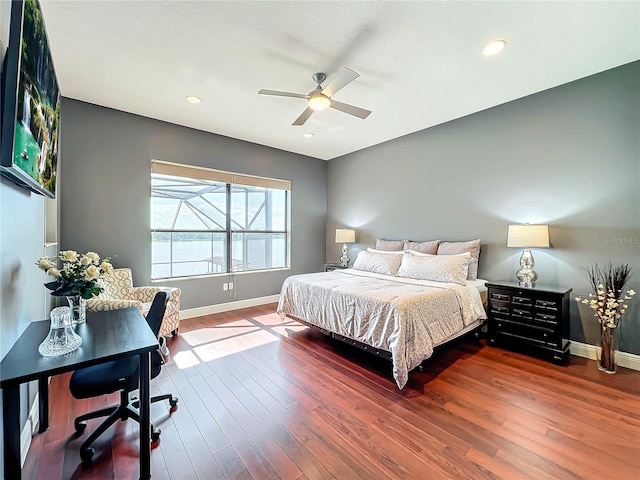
column 609, row 302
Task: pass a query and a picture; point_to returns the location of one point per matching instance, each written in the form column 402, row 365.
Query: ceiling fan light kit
column 320, row 98
column 318, row 101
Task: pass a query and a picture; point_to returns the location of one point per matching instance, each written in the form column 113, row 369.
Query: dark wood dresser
column 531, row 319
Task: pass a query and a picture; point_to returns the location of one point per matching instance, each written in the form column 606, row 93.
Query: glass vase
column 62, row 339
column 78, row 306
column 607, row 352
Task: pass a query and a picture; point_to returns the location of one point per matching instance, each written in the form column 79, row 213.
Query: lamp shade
column 345, row 235
column 528, row 236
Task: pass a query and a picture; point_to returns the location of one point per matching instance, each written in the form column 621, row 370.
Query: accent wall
column 568, row 157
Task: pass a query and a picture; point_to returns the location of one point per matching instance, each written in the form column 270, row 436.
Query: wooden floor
column 265, row 399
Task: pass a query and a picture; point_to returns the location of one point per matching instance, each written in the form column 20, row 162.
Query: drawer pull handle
column 499, row 296
column 546, row 304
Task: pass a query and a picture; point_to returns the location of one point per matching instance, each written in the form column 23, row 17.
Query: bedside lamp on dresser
column 527, row 237
column 344, row 236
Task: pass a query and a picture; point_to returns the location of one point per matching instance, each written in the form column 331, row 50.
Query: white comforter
column 403, row 316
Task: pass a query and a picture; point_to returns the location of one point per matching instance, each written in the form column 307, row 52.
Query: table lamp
column 527, row 237
column 344, row 236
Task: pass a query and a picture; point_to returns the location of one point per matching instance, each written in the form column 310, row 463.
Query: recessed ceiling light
column 193, row 99
column 308, row 135
column 493, row 47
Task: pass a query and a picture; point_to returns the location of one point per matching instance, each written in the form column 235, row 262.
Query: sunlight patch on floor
column 185, row 359
column 271, row 319
column 218, row 341
column 219, row 349
column 219, row 332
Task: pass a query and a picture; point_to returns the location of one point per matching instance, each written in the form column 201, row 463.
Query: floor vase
column 607, row 353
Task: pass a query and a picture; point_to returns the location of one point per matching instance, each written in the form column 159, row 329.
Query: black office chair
column 119, row 375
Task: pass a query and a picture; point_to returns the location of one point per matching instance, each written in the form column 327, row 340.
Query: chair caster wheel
column 87, row 455
column 155, row 434
column 80, row 426
column 174, row 404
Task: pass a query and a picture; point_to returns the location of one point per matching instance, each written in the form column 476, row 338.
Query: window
column 206, row 221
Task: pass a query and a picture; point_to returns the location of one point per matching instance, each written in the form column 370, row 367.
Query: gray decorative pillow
column 423, row 247
column 377, row 262
column 472, row 246
column 437, row 268
column 390, row 245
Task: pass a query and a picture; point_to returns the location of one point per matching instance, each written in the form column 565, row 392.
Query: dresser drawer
column 500, row 296
column 523, row 301
column 550, row 318
column 529, row 332
column 552, row 305
column 521, row 313
column 500, row 309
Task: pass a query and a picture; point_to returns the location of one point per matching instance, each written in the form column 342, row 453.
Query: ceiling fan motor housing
column 319, row 78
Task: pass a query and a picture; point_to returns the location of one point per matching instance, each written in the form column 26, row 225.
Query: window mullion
column 228, row 226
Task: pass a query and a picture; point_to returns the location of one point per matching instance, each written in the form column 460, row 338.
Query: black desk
column 106, row 336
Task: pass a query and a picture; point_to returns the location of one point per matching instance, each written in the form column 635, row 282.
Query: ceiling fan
column 320, row 98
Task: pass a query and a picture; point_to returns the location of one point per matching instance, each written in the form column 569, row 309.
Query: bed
column 383, row 307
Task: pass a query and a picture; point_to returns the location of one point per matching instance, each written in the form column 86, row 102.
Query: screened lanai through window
column 203, row 226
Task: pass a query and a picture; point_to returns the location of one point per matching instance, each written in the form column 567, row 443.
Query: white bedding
column 403, row 316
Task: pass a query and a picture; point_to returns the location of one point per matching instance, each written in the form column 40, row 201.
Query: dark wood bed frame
column 380, row 352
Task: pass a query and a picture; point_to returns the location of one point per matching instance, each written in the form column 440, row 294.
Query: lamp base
column 527, row 276
column 344, row 259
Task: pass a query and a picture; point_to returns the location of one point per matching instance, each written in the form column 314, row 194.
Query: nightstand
column 328, row 267
column 532, row 319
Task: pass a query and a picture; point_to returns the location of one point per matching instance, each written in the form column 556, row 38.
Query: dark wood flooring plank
column 301, row 457
column 179, row 464
column 331, row 457
column 250, row 455
column 231, row 465
column 284, row 467
column 190, row 404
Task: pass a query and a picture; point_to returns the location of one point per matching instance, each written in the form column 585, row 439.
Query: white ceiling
column 420, row 61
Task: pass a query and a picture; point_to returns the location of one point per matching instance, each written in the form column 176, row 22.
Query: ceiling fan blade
column 350, row 109
column 282, row 94
column 304, row 117
column 344, row 78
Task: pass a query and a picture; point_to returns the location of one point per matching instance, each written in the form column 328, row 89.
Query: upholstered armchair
column 119, row 292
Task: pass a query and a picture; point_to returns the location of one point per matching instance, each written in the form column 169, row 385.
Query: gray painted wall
column 568, row 157
column 105, row 188
column 23, row 297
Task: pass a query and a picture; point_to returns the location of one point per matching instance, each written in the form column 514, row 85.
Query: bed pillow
column 437, row 268
column 390, row 245
column 377, row 262
column 385, row 252
column 472, row 246
column 423, row 247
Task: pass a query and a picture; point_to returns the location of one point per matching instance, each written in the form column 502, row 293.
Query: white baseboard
column 29, row 429
column 623, row 359
column 227, row 307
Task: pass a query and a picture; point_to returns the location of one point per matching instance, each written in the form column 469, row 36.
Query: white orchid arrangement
column 78, row 274
column 608, row 300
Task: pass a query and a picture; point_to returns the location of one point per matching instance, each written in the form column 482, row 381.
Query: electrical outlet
column 230, row 285
column 225, row 286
